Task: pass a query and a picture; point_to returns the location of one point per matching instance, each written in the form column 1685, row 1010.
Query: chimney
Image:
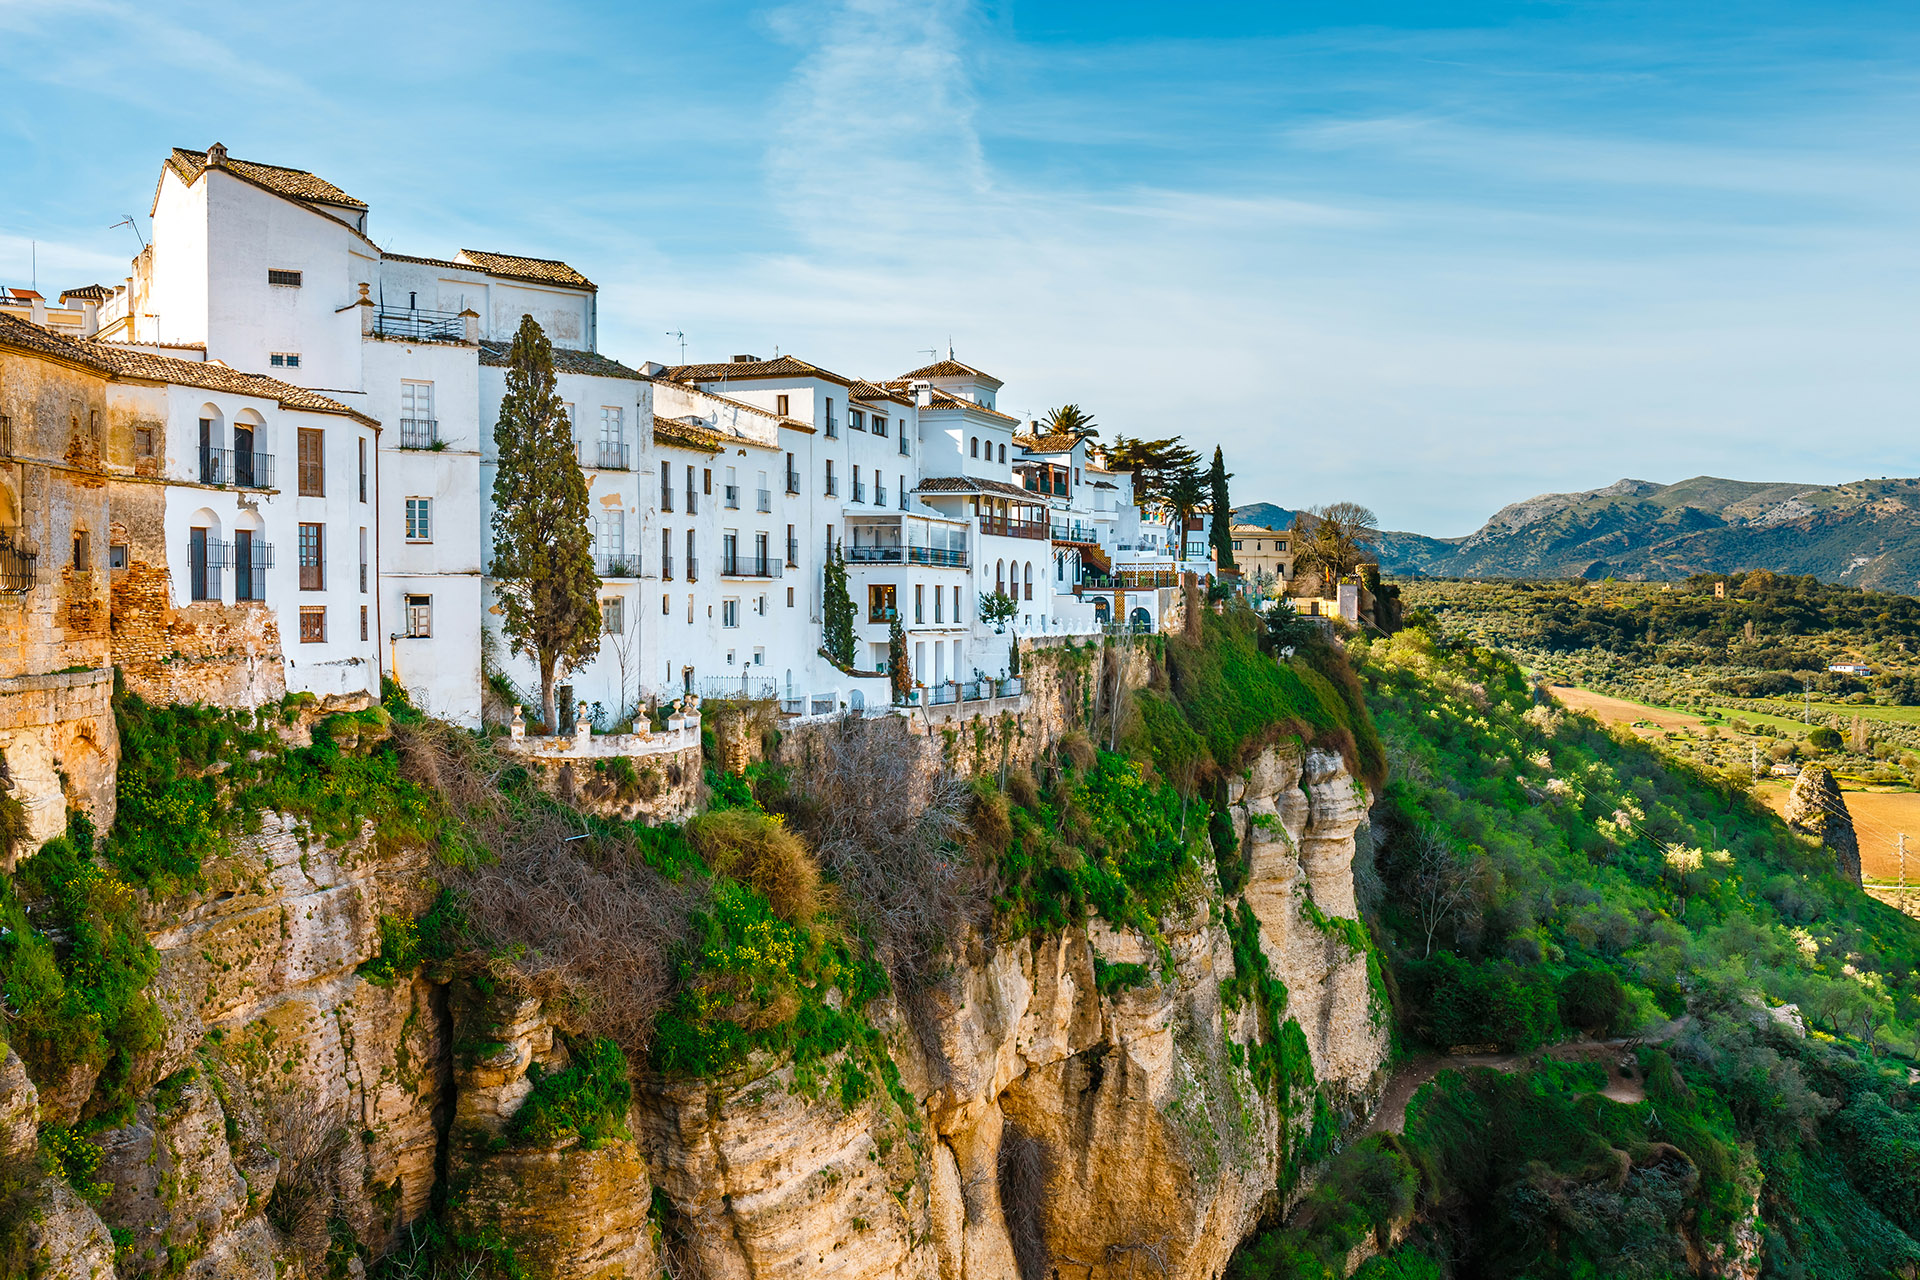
column 923, row 393
column 366, row 310
column 470, row 319
column 746, row 359
column 217, row 156
column 653, row 368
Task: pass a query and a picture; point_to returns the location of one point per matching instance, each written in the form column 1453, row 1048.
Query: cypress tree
column 546, row 586
column 839, row 610
column 1221, row 529
column 899, row 668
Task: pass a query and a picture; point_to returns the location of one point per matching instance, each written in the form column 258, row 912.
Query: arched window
column 250, row 451
column 975, row 445
column 1000, row 576
column 1003, row 453
column 210, row 464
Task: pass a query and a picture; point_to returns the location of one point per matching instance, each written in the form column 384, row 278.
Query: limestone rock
column 1815, row 807
column 19, row 1109
column 67, row 1238
column 175, row 1184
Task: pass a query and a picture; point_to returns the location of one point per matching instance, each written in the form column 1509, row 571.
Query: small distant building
column 1720, row 590
column 1263, row 553
column 1850, row 668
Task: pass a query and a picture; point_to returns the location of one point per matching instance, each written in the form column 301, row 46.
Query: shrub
column 1824, row 738
column 588, row 1099
column 1453, row 1002
column 757, row 848
column 1592, row 1000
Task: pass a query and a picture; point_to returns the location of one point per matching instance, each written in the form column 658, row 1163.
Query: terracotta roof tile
column 687, row 435
column 295, row 183
column 88, row 293
column 780, row 367
column 565, row 360
column 950, row 369
column 514, row 267
column 939, row 399
column 126, row 362
column 428, row 262
column 1053, row 442
column 972, row 484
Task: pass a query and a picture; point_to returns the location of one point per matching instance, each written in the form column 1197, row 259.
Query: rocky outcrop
column 1816, row 808
column 1041, row 1125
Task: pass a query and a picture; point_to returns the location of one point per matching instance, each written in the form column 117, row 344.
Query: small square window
column 279, row 275
column 419, row 617
column 613, row 616
column 284, row 359
column 117, row 557
column 729, row 613
column 143, row 442
column 313, row 624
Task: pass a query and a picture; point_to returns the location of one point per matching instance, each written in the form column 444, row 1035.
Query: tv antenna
column 128, row 221
column 931, row 353
column 680, row 338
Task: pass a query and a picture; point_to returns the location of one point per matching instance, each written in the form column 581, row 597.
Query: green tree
column 1186, row 493
column 1071, row 419
column 1152, row 463
column 899, row 669
column 996, row 608
column 839, row 610
column 1332, row 541
column 542, row 548
column 1221, row 526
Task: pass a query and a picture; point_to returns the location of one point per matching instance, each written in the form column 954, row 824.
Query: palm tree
column 1071, row 419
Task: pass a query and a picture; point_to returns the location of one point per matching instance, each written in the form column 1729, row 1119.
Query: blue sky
column 1433, row 258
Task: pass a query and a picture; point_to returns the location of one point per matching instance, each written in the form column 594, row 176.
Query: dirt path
column 1623, row 1074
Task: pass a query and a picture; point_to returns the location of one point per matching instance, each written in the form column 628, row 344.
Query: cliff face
column 1040, row 1122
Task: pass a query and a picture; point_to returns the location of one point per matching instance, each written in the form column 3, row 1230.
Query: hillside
column 1264, row 514
column 1866, row 533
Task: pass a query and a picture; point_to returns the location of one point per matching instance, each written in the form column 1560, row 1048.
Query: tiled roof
column 972, row 484
column 87, row 293
column 515, row 267
column 789, row 424
column 687, row 435
column 126, row 362
column 950, row 369
column 565, row 360
column 780, row 367
column 295, row 183
column 939, row 399
column 1101, row 484
column 428, row 262
column 1052, row 442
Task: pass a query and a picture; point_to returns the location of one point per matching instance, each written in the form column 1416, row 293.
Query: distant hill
column 1865, row 534
column 1264, row 514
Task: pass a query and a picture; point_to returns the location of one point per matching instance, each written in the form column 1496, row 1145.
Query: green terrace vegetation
column 1760, row 655
column 1542, row 878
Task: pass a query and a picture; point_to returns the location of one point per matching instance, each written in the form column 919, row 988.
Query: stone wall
column 61, row 746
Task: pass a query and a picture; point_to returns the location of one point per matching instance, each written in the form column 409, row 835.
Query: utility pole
column 1903, row 871
column 1756, row 760
column 1806, row 712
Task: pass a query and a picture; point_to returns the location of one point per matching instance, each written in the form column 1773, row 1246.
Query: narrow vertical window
column 313, row 463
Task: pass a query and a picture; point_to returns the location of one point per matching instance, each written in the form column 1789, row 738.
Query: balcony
column 750, row 567
column 733, row 497
column 859, row 491
column 616, row 566
column 693, row 569
column 879, row 494
column 420, row 433
column 1001, row 526
column 411, row 322
column 875, row 555
column 612, row 456
column 242, row 468
column 693, row 503
column 833, row 487
column 17, row 565
column 1074, row 531
column 763, row 500
column 974, row 690
column 666, row 568
column 942, row 557
column 793, row 482
column 741, row 688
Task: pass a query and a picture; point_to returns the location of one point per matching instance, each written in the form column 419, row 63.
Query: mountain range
column 1864, row 534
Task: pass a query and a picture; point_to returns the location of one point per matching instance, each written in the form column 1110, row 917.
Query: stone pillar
column 471, row 319
column 518, row 729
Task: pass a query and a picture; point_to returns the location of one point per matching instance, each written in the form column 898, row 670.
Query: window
column 833, row 423
column 706, row 481
column 919, row 603
column 880, row 602
column 143, row 442
column 939, row 606
column 974, row 445
column 903, row 439
column 789, row 597
column 1236, row 545
column 731, row 495
column 284, row 359
column 1003, row 453
column 730, row 552
column 418, row 430
column 832, row 488
column 313, row 569
column 879, row 425
column 203, row 566
column 666, row 486
column 856, row 419
column 419, row 617
column 692, row 504
column 82, row 551
column 693, row 566
column 313, row 462
column 363, row 560
column 610, row 537
column 613, row 437
column 903, row 493
column 859, row 494
column 363, row 622
column 117, row 557
column 280, row 275
column 759, row 653
column 363, row 468
column 419, row 519
column 313, row 624
column 666, row 604
column 762, row 563
column 729, row 613
column 666, row 555
column 793, row 547
column 613, row 615
column 793, row 476
column 780, row 405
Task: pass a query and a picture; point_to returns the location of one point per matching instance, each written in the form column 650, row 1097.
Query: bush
column 1452, row 1002
column 1592, row 1000
column 588, row 1099
column 1824, row 738
column 757, row 849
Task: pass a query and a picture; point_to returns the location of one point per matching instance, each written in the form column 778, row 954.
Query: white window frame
column 419, row 519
